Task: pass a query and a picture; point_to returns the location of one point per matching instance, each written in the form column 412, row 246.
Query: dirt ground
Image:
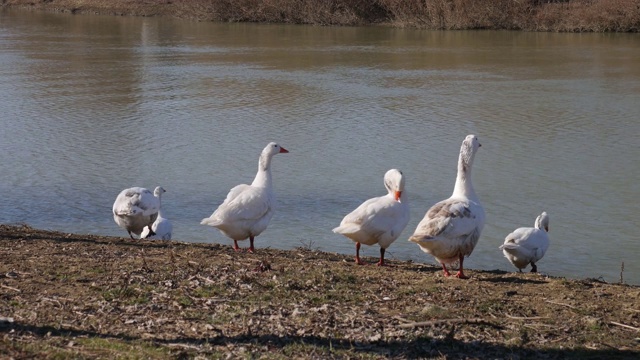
column 84, row 296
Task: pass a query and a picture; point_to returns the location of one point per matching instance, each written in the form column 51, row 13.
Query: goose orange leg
column 381, row 262
column 358, row 261
column 235, row 245
column 460, row 274
column 251, row 248
column 445, row 271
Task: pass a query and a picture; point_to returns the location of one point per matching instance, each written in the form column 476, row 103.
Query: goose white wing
column 519, row 236
column 252, row 204
column 450, row 219
column 377, row 217
column 243, row 202
column 136, row 201
column 363, row 213
column 529, row 244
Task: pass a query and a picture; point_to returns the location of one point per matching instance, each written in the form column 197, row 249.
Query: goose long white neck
column 263, row 177
column 463, row 186
column 538, row 224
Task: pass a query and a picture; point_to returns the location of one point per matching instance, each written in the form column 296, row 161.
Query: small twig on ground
column 10, row 288
column 624, row 326
column 184, row 346
column 402, row 319
column 526, row 317
column 447, row 321
column 308, row 245
column 562, row 304
column 51, row 300
column 537, row 326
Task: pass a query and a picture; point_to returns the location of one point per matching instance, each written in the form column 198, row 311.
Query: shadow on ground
column 448, row 347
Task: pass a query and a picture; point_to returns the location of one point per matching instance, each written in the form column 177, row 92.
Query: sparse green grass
column 185, row 301
column 432, row 311
column 116, row 348
column 208, row 291
column 127, row 295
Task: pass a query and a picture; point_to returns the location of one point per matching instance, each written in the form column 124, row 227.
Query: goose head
column 542, row 221
column 470, row 146
column 394, row 182
column 268, row 152
column 159, row 190
column 273, row 148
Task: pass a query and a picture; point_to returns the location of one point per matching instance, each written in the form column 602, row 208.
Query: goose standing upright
column 378, row 220
column 527, row 245
column 162, row 227
column 247, row 209
column 134, row 209
column 451, row 228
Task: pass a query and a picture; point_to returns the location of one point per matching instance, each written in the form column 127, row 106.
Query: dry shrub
column 459, row 14
column 589, row 15
column 318, row 12
column 530, row 15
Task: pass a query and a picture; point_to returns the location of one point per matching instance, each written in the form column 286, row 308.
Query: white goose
column 451, row 228
column 378, row 220
column 162, row 227
column 247, row 210
column 134, row 209
column 527, row 245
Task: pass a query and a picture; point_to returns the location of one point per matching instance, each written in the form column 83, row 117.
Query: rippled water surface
column 91, row 105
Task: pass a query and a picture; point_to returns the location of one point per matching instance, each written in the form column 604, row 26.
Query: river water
column 91, row 105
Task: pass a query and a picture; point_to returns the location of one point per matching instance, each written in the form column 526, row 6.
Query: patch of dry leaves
column 81, row 295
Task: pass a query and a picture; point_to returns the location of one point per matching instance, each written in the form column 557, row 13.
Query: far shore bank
column 525, row 15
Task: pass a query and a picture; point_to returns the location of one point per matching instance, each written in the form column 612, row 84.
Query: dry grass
column 81, row 296
column 528, row 15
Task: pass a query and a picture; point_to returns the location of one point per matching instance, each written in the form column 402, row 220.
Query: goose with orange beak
column 451, row 228
column 379, row 220
column 247, row 209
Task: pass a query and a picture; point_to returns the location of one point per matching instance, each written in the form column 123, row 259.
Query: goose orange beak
column 397, row 195
column 283, row 150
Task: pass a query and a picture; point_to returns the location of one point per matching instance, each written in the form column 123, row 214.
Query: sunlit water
column 91, row 105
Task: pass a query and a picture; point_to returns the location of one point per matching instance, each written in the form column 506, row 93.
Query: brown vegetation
column 529, row 15
column 84, row 296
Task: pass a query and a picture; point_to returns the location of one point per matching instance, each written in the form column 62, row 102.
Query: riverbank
column 72, row 295
column 527, row 15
